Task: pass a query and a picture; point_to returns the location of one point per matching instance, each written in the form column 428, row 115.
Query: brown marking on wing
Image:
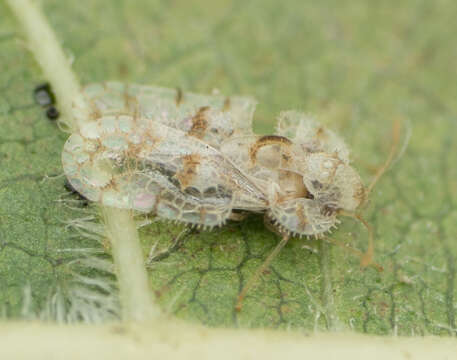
column 95, row 111
column 129, row 164
column 321, row 134
column 286, row 159
column 152, row 139
column 189, row 170
column 227, row 104
column 301, row 217
column 113, row 184
column 93, row 154
column 98, row 142
column 202, row 215
column 110, row 185
column 360, row 194
column 130, row 102
column 269, row 140
column 134, row 150
column 179, row 96
column 199, row 123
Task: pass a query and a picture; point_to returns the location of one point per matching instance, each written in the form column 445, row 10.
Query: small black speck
column 52, row 113
column 43, row 95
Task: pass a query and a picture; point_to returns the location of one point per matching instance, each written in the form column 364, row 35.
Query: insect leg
column 393, row 150
column 252, row 280
column 366, row 258
column 178, row 241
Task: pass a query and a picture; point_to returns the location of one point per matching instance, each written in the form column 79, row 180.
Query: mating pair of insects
column 195, row 159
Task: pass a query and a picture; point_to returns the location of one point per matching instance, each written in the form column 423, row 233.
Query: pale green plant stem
column 135, row 294
column 128, row 257
column 43, row 44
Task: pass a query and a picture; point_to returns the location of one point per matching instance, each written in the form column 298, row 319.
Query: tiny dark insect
column 44, row 96
column 73, row 191
column 52, row 113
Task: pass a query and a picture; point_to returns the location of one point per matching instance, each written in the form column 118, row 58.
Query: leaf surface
column 357, row 66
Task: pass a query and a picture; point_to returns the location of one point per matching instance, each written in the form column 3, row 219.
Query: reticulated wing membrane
column 133, row 162
column 312, row 136
column 301, row 217
column 211, row 118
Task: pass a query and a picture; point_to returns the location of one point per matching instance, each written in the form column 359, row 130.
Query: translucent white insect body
column 194, row 159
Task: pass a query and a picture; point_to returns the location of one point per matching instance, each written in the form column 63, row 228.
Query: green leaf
column 356, row 65
column 31, row 219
